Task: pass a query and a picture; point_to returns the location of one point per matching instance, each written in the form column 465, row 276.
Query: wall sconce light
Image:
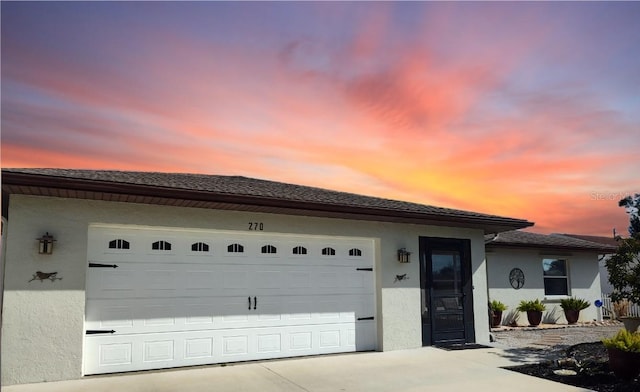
column 46, row 244
column 403, row 255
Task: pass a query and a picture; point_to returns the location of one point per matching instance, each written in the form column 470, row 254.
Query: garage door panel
column 154, row 351
column 141, row 280
column 202, row 282
column 164, row 315
column 203, row 297
column 112, row 283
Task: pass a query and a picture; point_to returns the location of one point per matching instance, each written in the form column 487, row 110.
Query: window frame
column 564, row 277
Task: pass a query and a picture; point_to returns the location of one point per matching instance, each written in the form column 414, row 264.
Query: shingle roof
column 593, row 238
column 524, row 239
column 237, row 189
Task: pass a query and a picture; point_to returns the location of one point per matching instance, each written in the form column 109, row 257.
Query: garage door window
column 200, row 247
column 235, row 248
column 556, row 280
column 328, row 252
column 355, row 252
column 161, row 245
column 269, row 249
column 119, row 244
column 299, row 250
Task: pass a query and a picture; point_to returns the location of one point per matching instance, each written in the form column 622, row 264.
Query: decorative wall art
column 516, row 278
column 400, row 278
column 41, row 276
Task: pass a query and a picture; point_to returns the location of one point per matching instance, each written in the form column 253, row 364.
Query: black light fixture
column 403, row 255
column 46, row 244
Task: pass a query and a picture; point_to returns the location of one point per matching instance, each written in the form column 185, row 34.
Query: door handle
column 249, row 298
column 255, row 303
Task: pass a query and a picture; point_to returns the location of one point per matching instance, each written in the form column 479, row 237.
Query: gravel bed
column 570, row 355
column 530, row 345
column 548, row 337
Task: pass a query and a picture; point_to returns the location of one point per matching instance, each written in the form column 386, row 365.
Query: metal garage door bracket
column 97, row 331
column 98, row 265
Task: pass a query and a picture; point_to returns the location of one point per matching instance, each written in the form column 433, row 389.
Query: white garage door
column 189, row 297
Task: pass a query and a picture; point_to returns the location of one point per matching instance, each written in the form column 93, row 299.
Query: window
column 328, row 252
column 299, row 250
column 200, row 247
column 355, row 252
column 269, row 249
column 235, row 248
column 556, row 281
column 161, row 245
column 119, row 244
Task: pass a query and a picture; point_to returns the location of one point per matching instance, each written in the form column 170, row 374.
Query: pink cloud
column 410, row 120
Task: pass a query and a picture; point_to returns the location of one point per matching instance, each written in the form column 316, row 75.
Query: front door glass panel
column 447, row 310
column 447, row 295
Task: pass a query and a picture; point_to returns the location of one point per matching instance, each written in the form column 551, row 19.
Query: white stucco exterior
column 584, row 282
column 43, row 322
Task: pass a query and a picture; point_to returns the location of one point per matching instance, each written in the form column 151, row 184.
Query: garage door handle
column 255, row 303
column 249, row 298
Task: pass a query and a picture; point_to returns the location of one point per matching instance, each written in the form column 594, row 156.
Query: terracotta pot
column 496, row 318
column 572, row 315
column 631, row 324
column 534, row 317
column 624, row 364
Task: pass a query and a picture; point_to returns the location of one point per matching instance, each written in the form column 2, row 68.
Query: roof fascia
column 488, row 224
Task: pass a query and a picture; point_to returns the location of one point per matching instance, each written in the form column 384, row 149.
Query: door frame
column 426, row 246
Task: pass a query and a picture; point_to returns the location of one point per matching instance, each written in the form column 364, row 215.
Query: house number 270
column 256, row 226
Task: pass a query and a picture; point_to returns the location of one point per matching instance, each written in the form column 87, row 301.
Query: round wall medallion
column 516, row 278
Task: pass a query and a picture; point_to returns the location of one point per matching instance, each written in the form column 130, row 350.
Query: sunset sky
column 526, row 110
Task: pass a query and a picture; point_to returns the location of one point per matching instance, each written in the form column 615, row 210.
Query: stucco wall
column 584, row 282
column 43, row 328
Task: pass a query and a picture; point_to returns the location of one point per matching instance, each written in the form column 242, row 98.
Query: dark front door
column 447, row 292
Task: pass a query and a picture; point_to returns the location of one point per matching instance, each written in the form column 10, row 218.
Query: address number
column 256, row 226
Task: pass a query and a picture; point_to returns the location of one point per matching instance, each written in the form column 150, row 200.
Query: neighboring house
column 606, row 287
column 528, row 266
column 157, row 270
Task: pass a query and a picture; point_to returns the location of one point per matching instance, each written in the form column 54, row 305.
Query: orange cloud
column 453, row 125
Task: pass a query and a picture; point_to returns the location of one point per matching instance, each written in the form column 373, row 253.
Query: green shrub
column 497, row 306
column 535, row 305
column 573, row 303
column 624, row 340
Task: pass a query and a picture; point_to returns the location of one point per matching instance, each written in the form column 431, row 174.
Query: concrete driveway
column 424, row 369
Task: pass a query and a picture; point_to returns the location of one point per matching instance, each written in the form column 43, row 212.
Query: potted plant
column 624, row 354
column 534, row 311
column 572, row 307
column 497, row 308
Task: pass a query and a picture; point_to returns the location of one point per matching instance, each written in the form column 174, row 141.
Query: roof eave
column 493, row 245
column 12, row 182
